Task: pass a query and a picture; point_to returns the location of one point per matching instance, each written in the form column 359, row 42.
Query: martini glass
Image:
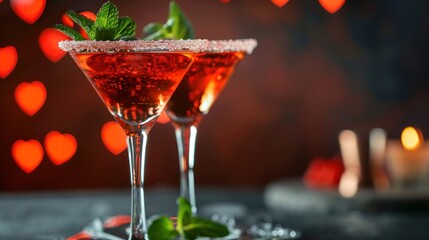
column 194, row 97
column 135, row 79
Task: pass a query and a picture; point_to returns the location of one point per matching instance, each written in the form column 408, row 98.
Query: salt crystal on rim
column 195, row 45
column 234, row 45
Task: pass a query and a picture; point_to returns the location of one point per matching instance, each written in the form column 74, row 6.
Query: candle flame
column 411, row 138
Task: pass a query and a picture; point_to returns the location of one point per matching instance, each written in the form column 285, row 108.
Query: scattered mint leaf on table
column 177, row 26
column 200, row 227
column 187, row 226
column 107, row 25
column 162, row 229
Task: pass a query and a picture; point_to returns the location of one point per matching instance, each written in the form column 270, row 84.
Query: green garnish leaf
column 125, row 28
column 187, row 226
column 162, row 229
column 107, row 25
column 177, row 26
column 84, row 22
column 107, row 16
column 184, row 214
column 69, row 32
column 199, row 227
column 152, row 27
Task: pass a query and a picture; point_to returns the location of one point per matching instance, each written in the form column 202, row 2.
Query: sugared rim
column 194, row 45
column 232, row 45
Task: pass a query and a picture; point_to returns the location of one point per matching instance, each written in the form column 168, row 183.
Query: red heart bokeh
column 28, row 10
column 279, row 3
column 27, row 154
column 113, row 137
column 332, row 6
column 48, row 42
column 30, row 97
column 8, row 60
column 59, row 147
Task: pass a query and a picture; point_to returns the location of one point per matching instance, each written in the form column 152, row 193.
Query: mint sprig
column 187, row 226
column 177, row 26
column 107, row 25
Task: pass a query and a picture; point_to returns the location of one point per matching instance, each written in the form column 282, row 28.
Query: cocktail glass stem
column 136, row 142
column 186, row 135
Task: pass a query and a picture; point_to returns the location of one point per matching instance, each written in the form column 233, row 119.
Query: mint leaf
column 162, row 229
column 86, row 23
column 184, row 214
column 177, row 26
column 69, row 32
column 106, row 22
column 126, row 27
column 199, row 227
column 152, row 27
column 181, row 27
column 187, row 226
column 107, row 16
column 107, row 25
column 104, row 34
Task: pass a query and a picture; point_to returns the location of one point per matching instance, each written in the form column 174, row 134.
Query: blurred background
column 312, row 75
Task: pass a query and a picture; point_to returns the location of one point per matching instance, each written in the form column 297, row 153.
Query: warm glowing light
column 411, row 138
column 30, row 97
column 27, row 154
column 208, row 97
column 48, row 42
column 113, row 137
column 163, row 118
column 349, row 149
column 349, row 184
column 279, row 3
column 59, row 147
column 8, row 60
column 332, row 6
column 28, row 10
column 350, row 178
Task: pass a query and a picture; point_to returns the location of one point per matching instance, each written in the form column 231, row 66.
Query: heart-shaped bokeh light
column 28, row 10
column 332, row 6
column 8, row 60
column 113, row 137
column 48, row 42
column 27, row 154
column 60, row 147
column 30, row 96
column 279, row 3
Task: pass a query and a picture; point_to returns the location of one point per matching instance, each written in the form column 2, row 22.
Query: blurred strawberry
column 324, row 173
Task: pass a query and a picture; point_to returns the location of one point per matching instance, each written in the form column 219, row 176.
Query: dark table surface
column 56, row 215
